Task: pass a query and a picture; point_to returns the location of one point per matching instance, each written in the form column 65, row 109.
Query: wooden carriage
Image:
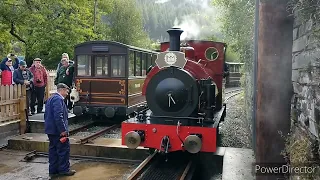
column 109, row 77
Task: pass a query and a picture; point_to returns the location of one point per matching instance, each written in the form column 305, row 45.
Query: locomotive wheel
column 172, row 92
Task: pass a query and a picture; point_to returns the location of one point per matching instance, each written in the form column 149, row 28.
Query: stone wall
column 304, row 140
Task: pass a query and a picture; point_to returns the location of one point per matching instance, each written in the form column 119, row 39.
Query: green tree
column 48, row 28
column 238, row 25
column 126, row 24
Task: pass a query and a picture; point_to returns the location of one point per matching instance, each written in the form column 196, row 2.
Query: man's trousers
column 58, row 155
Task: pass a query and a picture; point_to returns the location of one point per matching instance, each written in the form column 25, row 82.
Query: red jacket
column 39, row 74
column 6, row 78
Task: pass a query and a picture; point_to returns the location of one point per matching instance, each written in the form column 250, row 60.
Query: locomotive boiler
column 184, row 97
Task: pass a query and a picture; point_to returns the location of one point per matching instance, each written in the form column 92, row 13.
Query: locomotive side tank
column 182, row 97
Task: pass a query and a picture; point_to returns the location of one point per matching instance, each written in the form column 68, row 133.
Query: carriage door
column 101, row 65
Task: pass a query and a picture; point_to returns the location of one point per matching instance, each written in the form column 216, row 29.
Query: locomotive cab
column 188, row 51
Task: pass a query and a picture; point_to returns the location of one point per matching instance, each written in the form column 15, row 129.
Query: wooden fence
column 13, row 105
column 13, row 101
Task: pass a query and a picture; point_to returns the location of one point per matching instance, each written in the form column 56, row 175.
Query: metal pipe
column 103, row 159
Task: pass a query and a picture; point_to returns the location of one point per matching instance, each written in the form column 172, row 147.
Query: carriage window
column 84, row 65
column 131, row 63
column 118, row 66
column 138, row 62
column 149, row 60
column 101, row 66
column 144, row 60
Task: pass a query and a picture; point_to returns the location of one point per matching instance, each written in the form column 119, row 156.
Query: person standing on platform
column 7, row 66
column 65, row 75
column 56, row 128
column 24, row 76
column 64, row 55
column 40, row 82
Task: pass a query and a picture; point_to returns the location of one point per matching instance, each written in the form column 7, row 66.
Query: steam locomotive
column 184, row 94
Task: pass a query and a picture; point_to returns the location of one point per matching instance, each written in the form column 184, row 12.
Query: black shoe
column 32, row 113
column 53, row 175
column 70, row 173
column 38, row 112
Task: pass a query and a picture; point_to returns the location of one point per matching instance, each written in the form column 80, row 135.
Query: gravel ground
column 79, row 124
column 114, row 134
column 89, row 131
column 234, row 130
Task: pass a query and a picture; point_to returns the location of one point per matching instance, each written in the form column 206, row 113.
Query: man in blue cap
column 24, row 76
column 56, row 127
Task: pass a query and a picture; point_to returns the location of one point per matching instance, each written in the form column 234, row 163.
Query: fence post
column 22, row 107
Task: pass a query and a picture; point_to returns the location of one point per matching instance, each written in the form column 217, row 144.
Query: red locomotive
column 184, row 99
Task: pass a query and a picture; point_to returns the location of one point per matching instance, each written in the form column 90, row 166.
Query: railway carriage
column 233, row 80
column 109, row 77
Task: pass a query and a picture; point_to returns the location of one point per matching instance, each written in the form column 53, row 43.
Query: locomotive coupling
column 133, row 139
column 193, row 144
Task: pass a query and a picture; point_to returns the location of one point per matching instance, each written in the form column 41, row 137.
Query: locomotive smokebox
column 174, row 34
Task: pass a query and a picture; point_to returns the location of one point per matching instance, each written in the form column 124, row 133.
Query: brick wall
column 304, row 146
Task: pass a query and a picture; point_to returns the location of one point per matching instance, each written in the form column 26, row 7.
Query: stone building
column 304, row 140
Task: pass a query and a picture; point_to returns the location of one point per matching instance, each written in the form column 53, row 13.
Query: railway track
column 81, row 128
column 232, row 94
column 94, row 135
column 156, row 167
column 233, row 91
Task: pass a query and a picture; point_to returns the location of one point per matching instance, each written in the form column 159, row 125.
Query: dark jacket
column 18, row 78
column 62, row 77
column 4, row 67
column 56, row 115
column 59, row 65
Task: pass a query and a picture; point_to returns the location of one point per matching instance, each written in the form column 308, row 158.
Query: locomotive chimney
column 174, row 34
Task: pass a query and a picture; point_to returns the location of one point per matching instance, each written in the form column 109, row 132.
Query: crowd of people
column 35, row 78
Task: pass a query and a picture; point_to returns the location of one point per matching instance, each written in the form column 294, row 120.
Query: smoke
column 202, row 24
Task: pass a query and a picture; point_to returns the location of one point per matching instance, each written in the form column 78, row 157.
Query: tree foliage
column 126, row 24
column 46, row 29
column 307, row 10
column 238, row 25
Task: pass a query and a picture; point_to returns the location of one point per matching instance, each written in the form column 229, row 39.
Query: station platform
column 237, row 163
column 40, row 117
column 100, row 147
column 37, row 121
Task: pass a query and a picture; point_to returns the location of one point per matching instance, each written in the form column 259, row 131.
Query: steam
column 161, row 1
column 201, row 25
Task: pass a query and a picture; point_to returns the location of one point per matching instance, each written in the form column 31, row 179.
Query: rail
column 234, row 93
column 97, row 134
column 139, row 170
column 155, row 167
column 76, row 130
